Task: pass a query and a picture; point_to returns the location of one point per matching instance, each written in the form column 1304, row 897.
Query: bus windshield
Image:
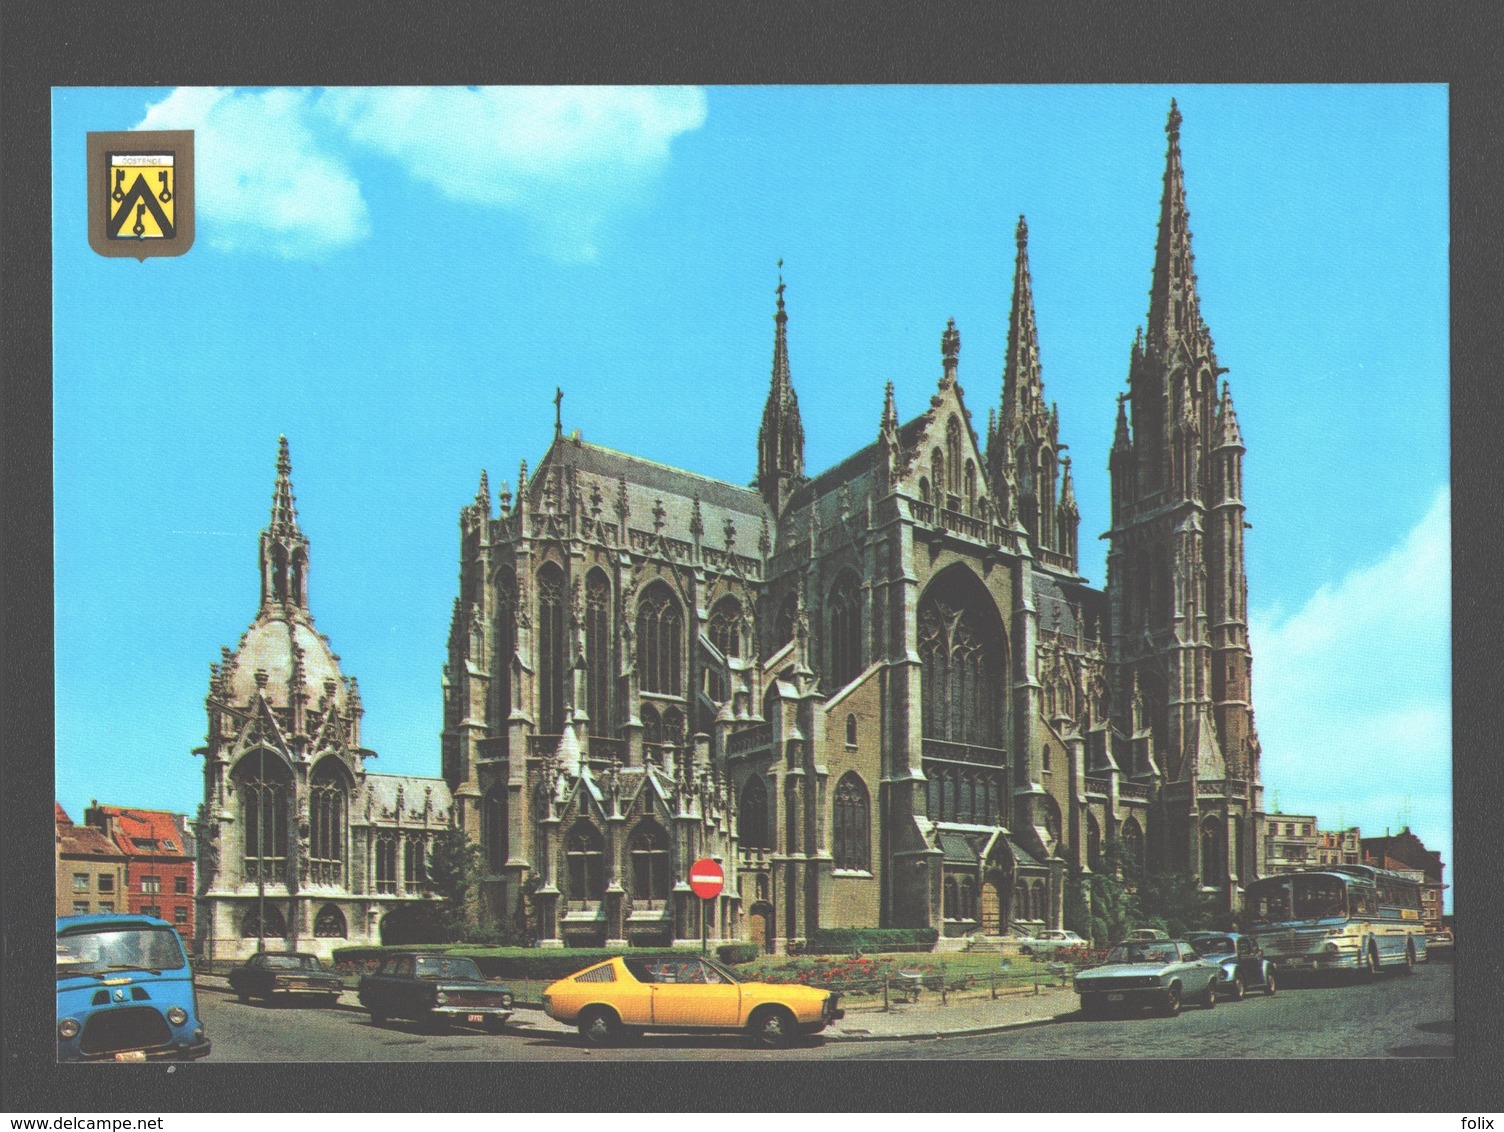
column 1314, row 896
column 101, row 951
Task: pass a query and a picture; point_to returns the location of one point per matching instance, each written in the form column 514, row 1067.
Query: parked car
column 1159, row 973
column 1051, row 940
column 630, row 994
column 125, row 991
column 437, row 989
column 1439, row 944
column 1243, row 964
column 1146, row 935
column 287, row 973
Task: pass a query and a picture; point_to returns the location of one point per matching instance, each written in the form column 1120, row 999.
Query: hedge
column 848, row 941
column 519, row 962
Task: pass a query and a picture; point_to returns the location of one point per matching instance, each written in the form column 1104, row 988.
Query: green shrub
column 734, row 953
column 850, row 941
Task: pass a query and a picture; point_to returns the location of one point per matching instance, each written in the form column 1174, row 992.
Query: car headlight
column 177, row 1015
column 440, row 998
column 68, row 1028
column 506, row 1000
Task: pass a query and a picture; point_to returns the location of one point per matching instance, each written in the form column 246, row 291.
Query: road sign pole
column 705, row 927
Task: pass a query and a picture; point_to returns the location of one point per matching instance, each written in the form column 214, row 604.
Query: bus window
column 1319, row 897
column 1268, row 901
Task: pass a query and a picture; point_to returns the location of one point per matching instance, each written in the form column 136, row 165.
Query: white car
column 1052, row 940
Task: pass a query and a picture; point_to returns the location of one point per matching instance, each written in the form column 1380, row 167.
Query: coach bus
column 1343, row 917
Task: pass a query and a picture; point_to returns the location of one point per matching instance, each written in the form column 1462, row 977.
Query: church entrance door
column 759, row 923
column 992, row 909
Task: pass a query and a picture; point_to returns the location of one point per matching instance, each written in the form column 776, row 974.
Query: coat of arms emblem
column 140, row 185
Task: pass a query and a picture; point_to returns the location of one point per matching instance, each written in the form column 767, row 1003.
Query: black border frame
column 287, row 43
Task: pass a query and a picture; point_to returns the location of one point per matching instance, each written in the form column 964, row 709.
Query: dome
column 268, row 645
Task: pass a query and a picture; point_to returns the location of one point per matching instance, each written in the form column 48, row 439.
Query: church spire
column 284, row 549
column 1023, row 386
column 1174, row 310
column 780, row 441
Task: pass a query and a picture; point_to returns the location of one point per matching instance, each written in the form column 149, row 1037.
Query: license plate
column 131, row 1055
column 1115, row 998
column 475, row 1018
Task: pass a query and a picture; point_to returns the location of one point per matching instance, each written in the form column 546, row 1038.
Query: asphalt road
column 1394, row 1016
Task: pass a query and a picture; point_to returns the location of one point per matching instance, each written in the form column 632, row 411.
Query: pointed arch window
column 598, row 652
column 937, row 475
column 788, row 614
column 953, row 455
column 1213, row 852
column 326, row 823
column 652, row 864
column 851, row 846
column 386, row 863
column 725, row 634
column 330, row 923
column 1133, row 844
column 273, row 926
column 265, row 796
column 493, row 828
column 552, row 649
column 415, row 864
column 752, row 825
column 1093, row 842
column 845, row 606
column 962, row 664
column 585, row 862
column 1047, row 498
column 660, row 633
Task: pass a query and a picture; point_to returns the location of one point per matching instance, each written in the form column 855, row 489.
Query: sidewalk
column 928, row 1018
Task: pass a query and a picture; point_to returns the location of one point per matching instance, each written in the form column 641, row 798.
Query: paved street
column 1393, row 1017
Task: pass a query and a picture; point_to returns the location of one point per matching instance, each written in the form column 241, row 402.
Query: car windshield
column 1141, row 953
column 99, row 951
column 1214, row 945
column 290, row 962
column 447, row 967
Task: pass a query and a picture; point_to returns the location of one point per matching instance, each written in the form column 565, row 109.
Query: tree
column 1115, row 909
column 453, row 869
column 1173, row 903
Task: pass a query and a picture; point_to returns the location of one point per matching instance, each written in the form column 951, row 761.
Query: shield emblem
column 141, row 193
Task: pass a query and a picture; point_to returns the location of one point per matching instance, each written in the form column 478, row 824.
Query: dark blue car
column 125, row 991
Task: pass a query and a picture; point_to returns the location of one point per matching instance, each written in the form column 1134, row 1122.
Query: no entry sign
column 706, row 878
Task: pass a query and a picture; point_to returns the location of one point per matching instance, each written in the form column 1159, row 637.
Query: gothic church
column 882, row 695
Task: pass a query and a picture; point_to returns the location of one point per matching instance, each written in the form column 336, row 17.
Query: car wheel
column 496, row 1025
column 1269, row 981
column 1210, row 999
column 773, row 1028
column 331, row 999
column 1237, row 988
column 1171, row 1005
column 377, row 1018
column 1093, row 1005
column 243, row 997
column 599, row 1027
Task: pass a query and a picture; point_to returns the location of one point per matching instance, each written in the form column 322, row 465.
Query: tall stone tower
column 780, row 441
column 1175, row 576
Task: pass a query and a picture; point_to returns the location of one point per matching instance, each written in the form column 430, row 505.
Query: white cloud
column 1353, row 692
column 566, row 158
column 263, row 177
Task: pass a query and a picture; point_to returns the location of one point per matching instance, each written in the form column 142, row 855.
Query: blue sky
column 398, row 279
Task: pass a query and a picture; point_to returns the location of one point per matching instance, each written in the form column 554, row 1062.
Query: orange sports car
column 633, row 993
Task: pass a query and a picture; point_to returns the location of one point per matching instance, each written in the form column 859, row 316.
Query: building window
column 851, row 848
column 81, row 882
column 506, row 643
column 585, row 859
column 106, row 882
column 845, row 630
column 725, row 634
column 80, row 907
column 493, row 828
column 652, row 875
column 330, row 923
column 106, row 905
column 151, row 885
column 386, row 863
column 326, row 816
column 1044, row 758
column 275, row 927
column 660, row 642
column 598, row 652
column 851, row 731
column 552, row 649
column 179, row 886
column 788, row 614
column 961, row 650
column 180, row 915
column 152, row 910
column 415, row 864
column 752, row 822
column 265, row 787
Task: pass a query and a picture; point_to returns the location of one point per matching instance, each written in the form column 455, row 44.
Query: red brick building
column 1406, row 852
column 161, row 874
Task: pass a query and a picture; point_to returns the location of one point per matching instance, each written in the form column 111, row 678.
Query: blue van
column 125, row 991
